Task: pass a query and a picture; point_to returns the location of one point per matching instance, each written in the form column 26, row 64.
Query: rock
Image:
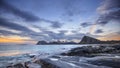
column 41, row 42
column 55, row 42
column 92, row 50
column 19, row 65
column 45, row 64
column 32, row 65
column 31, row 56
column 37, row 64
column 55, row 56
column 111, row 62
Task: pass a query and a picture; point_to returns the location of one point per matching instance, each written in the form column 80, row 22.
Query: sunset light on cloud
column 13, row 39
column 30, row 21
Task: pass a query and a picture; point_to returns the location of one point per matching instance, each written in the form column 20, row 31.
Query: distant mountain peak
column 89, row 40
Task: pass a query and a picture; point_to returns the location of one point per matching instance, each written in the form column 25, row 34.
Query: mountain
column 85, row 40
column 89, row 40
column 54, row 42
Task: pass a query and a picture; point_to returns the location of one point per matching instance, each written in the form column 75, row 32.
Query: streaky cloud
column 99, row 31
column 27, row 16
column 20, row 13
column 10, row 25
column 86, row 24
column 109, row 11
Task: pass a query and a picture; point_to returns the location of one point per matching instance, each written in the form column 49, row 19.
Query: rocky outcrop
column 41, row 42
column 92, row 50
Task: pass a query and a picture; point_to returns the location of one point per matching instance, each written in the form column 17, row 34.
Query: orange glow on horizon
column 109, row 38
column 11, row 40
column 14, row 39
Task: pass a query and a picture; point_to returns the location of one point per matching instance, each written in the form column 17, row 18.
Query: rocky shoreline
column 92, row 50
column 80, row 57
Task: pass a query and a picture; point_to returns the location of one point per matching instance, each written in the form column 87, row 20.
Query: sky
column 29, row 21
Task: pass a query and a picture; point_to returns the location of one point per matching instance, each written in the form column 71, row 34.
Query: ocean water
column 10, row 50
column 20, row 53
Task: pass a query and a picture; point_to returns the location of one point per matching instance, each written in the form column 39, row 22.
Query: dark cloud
column 63, row 31
column 7, row 8
column 12, row 9
column 71, row 9
column 106, row 18
column 109, row 5
column 99, row 31
column 109, row 11
column 85, row 24
column 74, row 31
column 10, row 25
column 56, row 25
column 6, row 33
column 46, row 35
column 62, row 35
column 25, row 32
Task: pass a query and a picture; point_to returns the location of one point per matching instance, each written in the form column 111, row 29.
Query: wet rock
column 32, row 65
column 102, row 62
column 32, row 56
column 45, row 64
column 55, row 56
column 9, row 67
column 19, row 65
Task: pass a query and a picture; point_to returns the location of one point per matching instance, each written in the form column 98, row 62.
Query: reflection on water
column 11, row 53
